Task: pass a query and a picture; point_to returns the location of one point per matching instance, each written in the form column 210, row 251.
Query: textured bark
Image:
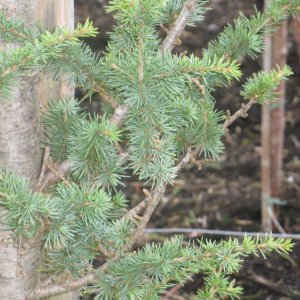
column 19, row 125
column 19, row 132
column 18, row 272
column 20, row 152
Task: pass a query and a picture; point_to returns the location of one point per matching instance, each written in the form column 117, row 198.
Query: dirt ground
column 226, row 194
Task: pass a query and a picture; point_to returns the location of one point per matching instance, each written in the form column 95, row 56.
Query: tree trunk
column 20, row 152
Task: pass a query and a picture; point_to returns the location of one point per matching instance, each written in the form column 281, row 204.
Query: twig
column 142, row 205
column 57, row 173
column 105, row 96
column 275, row 221
column 270, row 284
column 241, row 113
column 186, row 159
column 119, row 115
column 199, row 86
column 178, row 26
column 166, row 30
column 45, row 162
column 43, row 292
column 105, row 251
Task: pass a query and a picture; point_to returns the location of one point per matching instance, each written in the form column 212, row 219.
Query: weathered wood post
column 272, row 127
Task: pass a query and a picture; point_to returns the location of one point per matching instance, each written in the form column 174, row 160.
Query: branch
column 178, row 26
column 142, row 205
column 202, row 231
column 241, row 113
column 105, row 96
column 119, row 115
column 43, row 292
column 54, row 175
column 151, row 202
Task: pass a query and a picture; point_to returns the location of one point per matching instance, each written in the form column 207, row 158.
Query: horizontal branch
column 53, row 290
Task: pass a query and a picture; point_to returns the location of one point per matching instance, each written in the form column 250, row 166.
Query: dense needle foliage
column 168, row 111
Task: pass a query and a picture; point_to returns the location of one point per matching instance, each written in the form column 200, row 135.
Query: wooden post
column 53, row 13
column 296, row 33
column 266, row 144
column 273, row 124
column 278, row 112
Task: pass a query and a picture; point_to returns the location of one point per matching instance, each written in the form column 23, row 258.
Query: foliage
column 170, row 108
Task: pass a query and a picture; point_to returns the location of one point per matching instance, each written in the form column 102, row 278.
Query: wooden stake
column 52, row 13
column 278, row 112
column 265, row 144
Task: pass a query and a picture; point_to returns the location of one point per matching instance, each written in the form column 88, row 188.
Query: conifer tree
column 158, row 114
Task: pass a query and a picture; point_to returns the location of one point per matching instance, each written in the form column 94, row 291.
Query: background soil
column 226, row 194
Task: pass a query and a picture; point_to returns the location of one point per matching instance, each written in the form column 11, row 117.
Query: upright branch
column 178, row 26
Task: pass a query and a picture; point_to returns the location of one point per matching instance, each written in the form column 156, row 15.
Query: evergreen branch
column 258, row 89
column 13, row 30
column 178, row 26
column 151, row 203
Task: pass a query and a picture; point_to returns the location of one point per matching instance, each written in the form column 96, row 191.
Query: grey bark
column 20, row 152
